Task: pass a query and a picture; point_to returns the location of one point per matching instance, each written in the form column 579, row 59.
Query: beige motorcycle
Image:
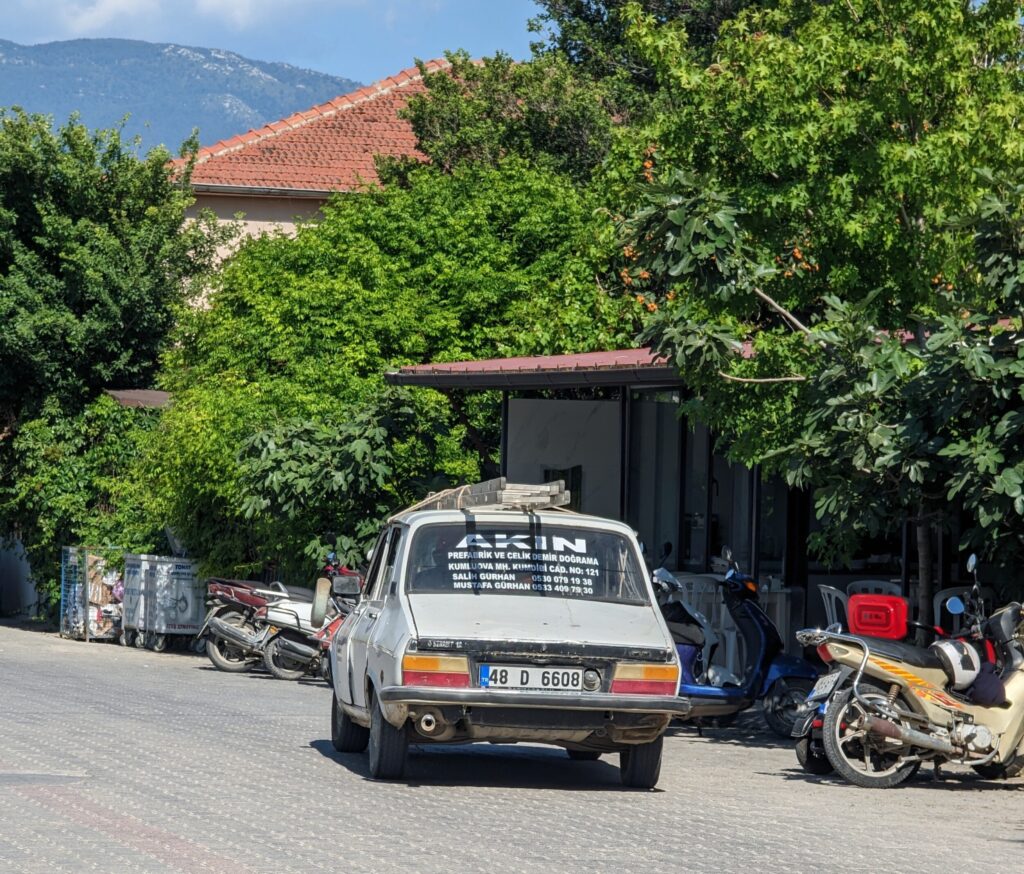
column 891, row 706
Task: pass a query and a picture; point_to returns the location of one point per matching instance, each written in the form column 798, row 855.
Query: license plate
column 823, row 688
column 523, row 677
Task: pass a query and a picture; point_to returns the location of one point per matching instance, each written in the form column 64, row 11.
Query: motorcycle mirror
column 955, row 606
column 727, row 553
column 972, row 563
column 346, row 586
column 331, row 539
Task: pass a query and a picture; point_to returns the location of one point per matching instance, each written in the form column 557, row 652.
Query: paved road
column 115, row 759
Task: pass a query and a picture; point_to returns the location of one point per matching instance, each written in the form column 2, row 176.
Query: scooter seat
column 686, row 633
column 917, row 656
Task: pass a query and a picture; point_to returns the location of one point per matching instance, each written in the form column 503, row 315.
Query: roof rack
column 498, row 494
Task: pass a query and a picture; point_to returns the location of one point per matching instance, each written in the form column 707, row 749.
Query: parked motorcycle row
column 286, row 629
column 885, row 704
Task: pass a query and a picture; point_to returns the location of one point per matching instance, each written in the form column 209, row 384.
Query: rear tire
column 640, row 765
column 1002, row 770
column 584, row 755
column 811, row 760
column 387, row 747
column 226, row 656
column 346, row 735
column 857, row 756
column 780, row 703
column 280, row 664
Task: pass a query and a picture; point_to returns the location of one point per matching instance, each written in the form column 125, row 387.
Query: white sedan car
column 504, row 625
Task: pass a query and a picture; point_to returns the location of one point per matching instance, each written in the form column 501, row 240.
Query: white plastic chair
column 874, row 587
column 833, row 598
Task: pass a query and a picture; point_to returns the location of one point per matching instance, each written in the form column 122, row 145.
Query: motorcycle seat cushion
column 917, row 656
column 297, row 593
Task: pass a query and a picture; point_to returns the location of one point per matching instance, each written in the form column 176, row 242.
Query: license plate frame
column 531, row 678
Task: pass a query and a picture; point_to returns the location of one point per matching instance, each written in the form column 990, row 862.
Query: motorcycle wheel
column 781, row 701
column 282, row 665
column 226, row 656
column 1002, row 770
column 811, row 760
column 858, row 757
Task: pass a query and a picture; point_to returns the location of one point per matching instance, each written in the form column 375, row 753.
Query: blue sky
column 364, row 40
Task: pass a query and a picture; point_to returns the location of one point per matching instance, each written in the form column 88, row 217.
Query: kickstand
column 937, row 773
column 700, row 728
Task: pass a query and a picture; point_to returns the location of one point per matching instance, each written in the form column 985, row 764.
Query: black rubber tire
column 225, row 656
column 640, row 765
column 1001, row 770
column 584, row 755
column 387, row 748
column 280, row 664
column 346, row 735
column 780, row 703
column 127, row 637
column 835, row 718
column 812, row 762
column 140, row 640
column 158, row 643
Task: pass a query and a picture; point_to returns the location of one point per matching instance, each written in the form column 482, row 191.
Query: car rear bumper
column 594, row 701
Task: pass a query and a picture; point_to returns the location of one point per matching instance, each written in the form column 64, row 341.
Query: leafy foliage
column 94, row 255
column 71, row 486
column 284, row 368
column 796, row 276
column 541, row 111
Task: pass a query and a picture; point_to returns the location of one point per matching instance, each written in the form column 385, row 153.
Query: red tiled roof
column 330, row 147
column 616, row 367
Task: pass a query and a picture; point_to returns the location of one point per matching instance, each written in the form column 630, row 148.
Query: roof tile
column 327, row 147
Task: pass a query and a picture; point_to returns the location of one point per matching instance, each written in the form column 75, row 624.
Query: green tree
column 95, row 253
column 541, row 111
column 483, row 261
column 71, row 485
column 798, row 230
column 95, row 256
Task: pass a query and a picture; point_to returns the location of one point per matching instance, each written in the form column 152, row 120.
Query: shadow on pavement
column 951, row 781
column 509, row 767
column 748, row 729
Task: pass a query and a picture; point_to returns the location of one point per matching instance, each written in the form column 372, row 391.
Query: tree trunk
column 924, row 574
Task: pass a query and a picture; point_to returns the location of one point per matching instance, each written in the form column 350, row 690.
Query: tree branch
column 761, row 380
column 786, row 314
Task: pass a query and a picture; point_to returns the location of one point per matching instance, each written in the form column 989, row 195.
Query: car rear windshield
column 556, row 561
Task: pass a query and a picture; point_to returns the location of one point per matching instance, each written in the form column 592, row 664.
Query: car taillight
column 435, row 670
column 823, row 653
column 642, row 679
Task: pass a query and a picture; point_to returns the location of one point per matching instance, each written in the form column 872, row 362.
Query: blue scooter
column 781, row 682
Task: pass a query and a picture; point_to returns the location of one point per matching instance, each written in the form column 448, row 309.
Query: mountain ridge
column 165, row 89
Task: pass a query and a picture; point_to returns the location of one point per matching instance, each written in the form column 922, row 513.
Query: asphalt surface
column 117, row 759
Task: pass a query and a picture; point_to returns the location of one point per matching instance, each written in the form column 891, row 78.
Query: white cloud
column 247, row 13
column 83, row 18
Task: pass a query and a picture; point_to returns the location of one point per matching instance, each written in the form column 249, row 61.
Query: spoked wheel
column 863, row 759
column 281, row 664
column 781, row 702
column 225, row 655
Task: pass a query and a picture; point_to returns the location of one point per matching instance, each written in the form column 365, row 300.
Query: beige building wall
column 260, row 215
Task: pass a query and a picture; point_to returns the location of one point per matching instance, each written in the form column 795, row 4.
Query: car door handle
column 371, row 614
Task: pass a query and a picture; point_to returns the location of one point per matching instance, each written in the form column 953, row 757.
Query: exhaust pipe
column 295, row 649
column 430, row 723
column 232, row 634
column 883, row 727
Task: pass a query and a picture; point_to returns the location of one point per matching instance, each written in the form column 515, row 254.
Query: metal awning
column 621, row 367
